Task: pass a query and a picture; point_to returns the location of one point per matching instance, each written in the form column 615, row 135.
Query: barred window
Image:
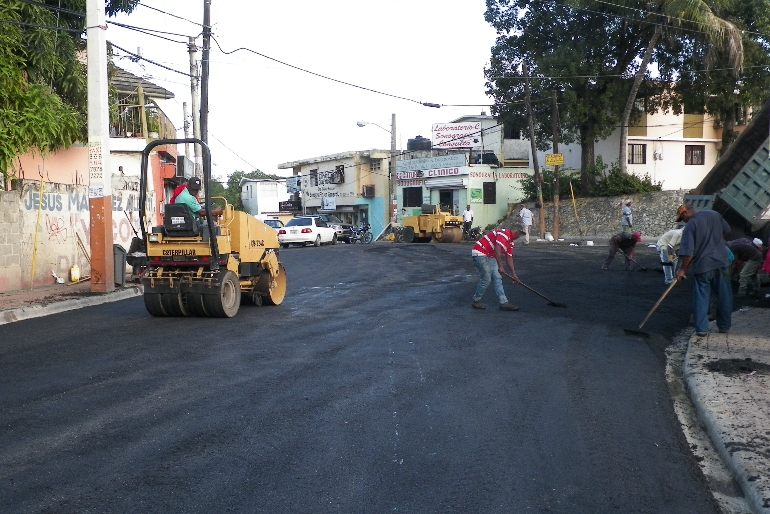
column 637, row 154
column 694, row 154
column 490, row 192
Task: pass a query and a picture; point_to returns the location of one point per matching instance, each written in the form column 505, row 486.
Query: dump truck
column 432, row 225
column 738, row 186
column 207, row 268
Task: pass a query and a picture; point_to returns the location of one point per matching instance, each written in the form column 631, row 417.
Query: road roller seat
column 178, row 221
column 428, row 208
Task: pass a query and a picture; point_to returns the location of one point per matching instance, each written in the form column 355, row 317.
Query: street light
column 392, row 171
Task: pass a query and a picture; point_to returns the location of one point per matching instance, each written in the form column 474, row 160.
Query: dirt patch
column 732, row 367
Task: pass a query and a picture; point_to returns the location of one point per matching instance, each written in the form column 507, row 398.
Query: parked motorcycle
column 472, row 234
column 361, row 234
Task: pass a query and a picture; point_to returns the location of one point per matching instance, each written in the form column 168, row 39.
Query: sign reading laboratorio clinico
column 432, row 163
column 457, row 135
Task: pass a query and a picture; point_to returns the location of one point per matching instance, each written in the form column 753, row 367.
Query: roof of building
column 373, row 154
column 127, row 82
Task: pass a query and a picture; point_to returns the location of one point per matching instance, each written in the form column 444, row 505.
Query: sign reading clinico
column 432, row 163
column 457, row 135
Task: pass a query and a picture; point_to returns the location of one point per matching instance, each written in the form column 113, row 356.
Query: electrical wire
column 169, row 14
column 150, row 31
column 139, row 57
column 232, row 152
column 427, row 104
column 52, row 8
column 36, row 26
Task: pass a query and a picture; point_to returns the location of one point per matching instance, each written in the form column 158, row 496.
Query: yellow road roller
column 433, row 224
column 207, row 268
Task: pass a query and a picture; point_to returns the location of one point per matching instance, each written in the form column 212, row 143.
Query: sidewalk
column 728, row 378
column 42, row 301
column 727, row 375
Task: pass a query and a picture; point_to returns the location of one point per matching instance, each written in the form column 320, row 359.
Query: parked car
column 343, row 229
column 306, row 230
column 276, row 224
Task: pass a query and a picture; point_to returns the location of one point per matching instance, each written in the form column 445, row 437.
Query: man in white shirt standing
column 467, row 219
column 525, row 217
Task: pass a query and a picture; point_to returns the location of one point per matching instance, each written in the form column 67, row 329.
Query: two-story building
column 352, row 185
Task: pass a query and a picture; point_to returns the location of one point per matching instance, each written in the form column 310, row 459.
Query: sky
column 263, row 113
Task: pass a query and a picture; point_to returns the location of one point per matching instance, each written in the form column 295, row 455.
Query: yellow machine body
column 433, row 224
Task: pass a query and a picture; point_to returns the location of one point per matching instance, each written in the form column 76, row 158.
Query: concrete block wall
column 10, row 239
column 599, row 218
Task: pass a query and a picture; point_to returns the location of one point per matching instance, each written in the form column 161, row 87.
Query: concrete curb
column 713, row 411
column 36, row 311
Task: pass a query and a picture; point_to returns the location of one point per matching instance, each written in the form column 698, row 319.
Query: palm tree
column 695, row 14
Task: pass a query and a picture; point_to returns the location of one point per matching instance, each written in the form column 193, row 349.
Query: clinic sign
column 431, row 163
column 457, row 135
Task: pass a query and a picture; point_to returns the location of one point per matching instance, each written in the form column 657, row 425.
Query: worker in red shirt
column 487, row 256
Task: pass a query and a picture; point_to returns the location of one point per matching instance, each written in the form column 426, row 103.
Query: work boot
column 478, row 305
column 508, row 307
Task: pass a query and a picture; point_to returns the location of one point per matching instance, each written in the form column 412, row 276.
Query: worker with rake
column 626, row 243
column 487, row 256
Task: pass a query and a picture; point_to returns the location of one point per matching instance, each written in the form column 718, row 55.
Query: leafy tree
column 43, row 91
column 721, row 38
column 569, row 58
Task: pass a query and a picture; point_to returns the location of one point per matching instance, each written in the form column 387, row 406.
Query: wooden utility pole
column 99, row 172
column 556, row 219
column 205, row 71
column 533, row 146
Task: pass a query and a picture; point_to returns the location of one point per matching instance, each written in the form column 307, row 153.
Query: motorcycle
column 472, row 234
column 361, row 234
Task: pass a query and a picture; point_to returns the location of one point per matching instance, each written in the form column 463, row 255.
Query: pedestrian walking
column 703, row 253
column 487, row 256
column 626, row 243
column 750, row 254
column 467, row 219
column 668, row 248
column 525, row 217
column 626, row 221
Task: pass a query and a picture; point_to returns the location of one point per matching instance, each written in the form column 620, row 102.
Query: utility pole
column 192, row 49
column 556, row 218
column 392, row 172
column 533, row 146
column 205, row 71
column 99, row 172
column 186, row 126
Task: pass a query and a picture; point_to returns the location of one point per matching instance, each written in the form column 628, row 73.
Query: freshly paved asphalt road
column 373, row 388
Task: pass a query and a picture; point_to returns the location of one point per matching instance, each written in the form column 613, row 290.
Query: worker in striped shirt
column 487, row 256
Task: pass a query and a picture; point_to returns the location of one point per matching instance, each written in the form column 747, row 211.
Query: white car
column 306, row 230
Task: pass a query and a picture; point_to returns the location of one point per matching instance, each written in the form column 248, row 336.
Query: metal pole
column 392, row 172
column 186, row 125
column 99, row 172
column 533, row 146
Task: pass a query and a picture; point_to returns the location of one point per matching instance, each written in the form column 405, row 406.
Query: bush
column 565, row 176
column 617, row 183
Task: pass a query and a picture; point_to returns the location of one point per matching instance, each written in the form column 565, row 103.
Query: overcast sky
column 263, row 113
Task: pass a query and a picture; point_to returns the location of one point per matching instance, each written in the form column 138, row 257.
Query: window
column 490, row 192
column 511, row 133
column 412, row 196
column 314, row 177
column 637, row 154
column 694, row 154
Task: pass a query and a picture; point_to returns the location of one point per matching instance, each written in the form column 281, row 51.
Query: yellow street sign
column 554, row 159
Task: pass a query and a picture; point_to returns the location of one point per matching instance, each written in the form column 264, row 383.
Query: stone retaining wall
column 599, row 218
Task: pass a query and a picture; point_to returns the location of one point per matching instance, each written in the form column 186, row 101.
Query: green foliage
column 43, row 93
column 549, row 181
column 617, row 183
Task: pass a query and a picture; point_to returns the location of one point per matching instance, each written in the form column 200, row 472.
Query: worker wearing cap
column 188, row 196
column 487, row 256
column 626, row 243
column 751, row 255
column 668, row 246
column 704, row 255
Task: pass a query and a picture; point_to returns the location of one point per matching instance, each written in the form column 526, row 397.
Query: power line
column 52, row 8
column 34, row 25
column 139, row 57
column 149, row 32
column 427, row 104
column 172, row 15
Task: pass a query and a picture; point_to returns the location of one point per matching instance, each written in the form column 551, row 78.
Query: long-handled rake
column 550, row 302
column 641, row 268
column 638, row 331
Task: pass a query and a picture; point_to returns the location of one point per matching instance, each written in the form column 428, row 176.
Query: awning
column 446, row 183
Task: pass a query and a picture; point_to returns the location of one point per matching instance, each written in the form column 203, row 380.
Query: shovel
column 638, row 331
column 641, row 268
column 550, row 302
